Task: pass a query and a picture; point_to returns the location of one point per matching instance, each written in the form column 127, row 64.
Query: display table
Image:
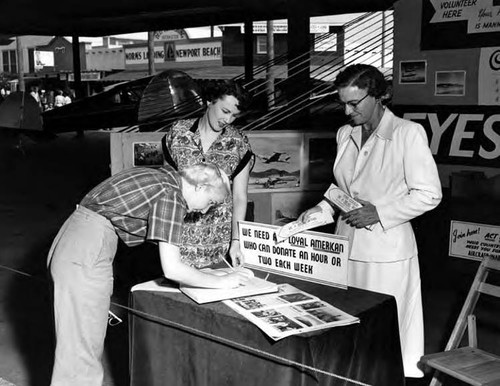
column 368, row 352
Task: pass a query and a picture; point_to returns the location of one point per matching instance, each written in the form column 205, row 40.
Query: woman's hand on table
column 235, row 278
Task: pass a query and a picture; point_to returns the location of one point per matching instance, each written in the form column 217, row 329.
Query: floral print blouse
column 206, row 238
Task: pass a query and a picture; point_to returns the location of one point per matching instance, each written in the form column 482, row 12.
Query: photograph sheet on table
column 289, row 311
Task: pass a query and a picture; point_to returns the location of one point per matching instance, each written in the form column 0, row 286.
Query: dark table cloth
column 367, row 352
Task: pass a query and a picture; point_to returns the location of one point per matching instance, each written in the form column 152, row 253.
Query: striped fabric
column 142, row 204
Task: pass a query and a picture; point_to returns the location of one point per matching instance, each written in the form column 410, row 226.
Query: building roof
column 111, row 17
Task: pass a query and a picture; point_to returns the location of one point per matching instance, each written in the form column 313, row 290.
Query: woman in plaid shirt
column 136, row 205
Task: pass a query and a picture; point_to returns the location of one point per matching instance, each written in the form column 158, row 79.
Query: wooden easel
column 469, row 364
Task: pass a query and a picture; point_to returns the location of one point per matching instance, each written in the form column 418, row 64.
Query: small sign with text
column 474, row 241
column 311, row 256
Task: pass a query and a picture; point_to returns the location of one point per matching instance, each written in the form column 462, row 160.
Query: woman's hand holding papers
column 363, row 217
column 306, row 215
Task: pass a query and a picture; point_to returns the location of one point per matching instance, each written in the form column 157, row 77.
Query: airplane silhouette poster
column 278, row 161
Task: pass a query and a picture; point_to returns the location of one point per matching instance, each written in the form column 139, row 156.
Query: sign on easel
column 474, row 241
column 311, row 256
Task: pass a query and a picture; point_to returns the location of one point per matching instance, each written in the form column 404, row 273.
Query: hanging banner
column 460, row 135
column 197, row 51
column 139, row 54
column 450, row 24
column 311, row 256
column 474, row 241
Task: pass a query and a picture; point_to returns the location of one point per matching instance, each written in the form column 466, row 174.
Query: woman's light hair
column 208, row 174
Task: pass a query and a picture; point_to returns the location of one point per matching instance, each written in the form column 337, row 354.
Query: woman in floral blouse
column 212, row 138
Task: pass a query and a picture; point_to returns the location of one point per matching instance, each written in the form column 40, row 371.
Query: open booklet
column 206, row 295
column 290, row 311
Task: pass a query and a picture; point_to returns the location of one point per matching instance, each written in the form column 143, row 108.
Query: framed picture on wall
column 413, row 72
column 278, row 161
column 319, row 154
column 147, row 154
column 135, row 149
column 450, row 83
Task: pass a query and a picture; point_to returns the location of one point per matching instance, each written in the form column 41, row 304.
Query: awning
column 125, row 76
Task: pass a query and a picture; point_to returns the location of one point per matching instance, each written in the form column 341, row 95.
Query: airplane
column 271, row 182
column 275, row 157
column 148, row 103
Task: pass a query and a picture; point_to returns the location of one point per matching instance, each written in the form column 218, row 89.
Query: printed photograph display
column 289, row 311
column 450, row 83
column 413, row 72
column 147, row 154
column 277, row 161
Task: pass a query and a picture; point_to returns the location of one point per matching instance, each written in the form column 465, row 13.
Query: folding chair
column 469, row 364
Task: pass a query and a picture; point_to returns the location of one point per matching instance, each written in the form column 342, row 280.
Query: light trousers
column 81, row 264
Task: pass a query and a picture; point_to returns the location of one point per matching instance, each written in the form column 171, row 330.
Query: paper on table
column 160, row 285
column 206, row 295
column 290, row 311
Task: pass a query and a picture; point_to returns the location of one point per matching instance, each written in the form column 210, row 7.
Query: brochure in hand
column 290, row 311
column 206, row 295
column 343, row 201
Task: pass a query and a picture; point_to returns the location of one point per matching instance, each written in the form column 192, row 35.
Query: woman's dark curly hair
column 215, row 90
column 363, row 76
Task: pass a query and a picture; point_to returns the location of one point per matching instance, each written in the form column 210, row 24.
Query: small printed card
column 341, row 199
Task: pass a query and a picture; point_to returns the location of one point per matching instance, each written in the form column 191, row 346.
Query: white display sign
column 282, row 28
column 481, row 15
column 85, row 76
column 194, row 52
column 474, row 241
column 489, row 76
column 311, row 256
column 139, row 55
column 170, row 35
column 43, row 59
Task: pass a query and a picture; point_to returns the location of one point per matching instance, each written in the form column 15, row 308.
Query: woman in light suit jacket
column 385, row 163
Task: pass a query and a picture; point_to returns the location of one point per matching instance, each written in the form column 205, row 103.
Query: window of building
column 262, row 44
column 325, row 42
column 9, row 60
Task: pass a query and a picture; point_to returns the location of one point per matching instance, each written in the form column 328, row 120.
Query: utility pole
column 270, row 68
column 382, row 48
column 151, row 53
column 20, row 63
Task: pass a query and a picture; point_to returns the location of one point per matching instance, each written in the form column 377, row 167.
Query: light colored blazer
column 396, row 172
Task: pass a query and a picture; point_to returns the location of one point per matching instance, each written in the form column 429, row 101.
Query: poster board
column 291, row 160
column 474, row 241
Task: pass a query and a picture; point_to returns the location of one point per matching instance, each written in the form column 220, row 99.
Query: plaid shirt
column 142, row 204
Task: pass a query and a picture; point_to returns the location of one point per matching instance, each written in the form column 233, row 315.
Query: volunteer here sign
column 310, row 256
